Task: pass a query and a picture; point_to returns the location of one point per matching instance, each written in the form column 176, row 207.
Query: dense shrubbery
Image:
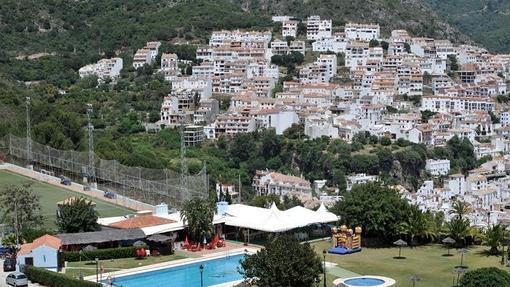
column 101, row 254
column 486, row 277
column 53, row 279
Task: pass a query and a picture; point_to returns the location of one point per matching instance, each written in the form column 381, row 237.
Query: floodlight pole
column 29, row 131
column 324, row 256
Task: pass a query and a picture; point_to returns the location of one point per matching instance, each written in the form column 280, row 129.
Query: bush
column 53, row 279
column 101, row 254
column 486, row 277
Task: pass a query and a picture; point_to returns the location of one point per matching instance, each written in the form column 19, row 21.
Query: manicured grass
column 426, row 262
column 89, row 268
column 50, row 195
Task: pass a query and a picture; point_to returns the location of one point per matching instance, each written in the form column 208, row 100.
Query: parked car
column 5, row 251
column 109, row 194
column 9, row 264
column 65, row 180
column 17, row 279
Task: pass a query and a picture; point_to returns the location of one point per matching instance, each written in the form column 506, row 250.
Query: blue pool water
column 364, row 282
column 216, row 271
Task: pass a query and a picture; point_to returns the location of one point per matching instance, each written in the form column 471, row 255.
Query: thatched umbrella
column 449, row 242
column 400, row 243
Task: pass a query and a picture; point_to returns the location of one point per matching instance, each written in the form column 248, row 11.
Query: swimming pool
column 364, row 281
column 216, row 271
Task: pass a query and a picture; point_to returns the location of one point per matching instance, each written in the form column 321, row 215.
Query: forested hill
column 484, row 21
column 411, row 15
column 30, row 26
column 34, row 26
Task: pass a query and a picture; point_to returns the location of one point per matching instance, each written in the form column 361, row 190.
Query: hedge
column 54, row 279
column 101, row 254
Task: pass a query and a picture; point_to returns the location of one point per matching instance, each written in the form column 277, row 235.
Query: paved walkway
column 340, row 272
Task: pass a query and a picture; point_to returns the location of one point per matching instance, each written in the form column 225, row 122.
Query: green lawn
column 50, row 195
column 427, row 262
column 89, row 268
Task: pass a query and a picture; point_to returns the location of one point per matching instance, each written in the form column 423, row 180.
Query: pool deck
column 206, row 256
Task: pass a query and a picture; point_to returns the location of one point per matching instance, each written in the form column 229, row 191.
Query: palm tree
column 460, row 208
column 415, row 225
column 494, row 237
column 198, row 214
column 458, row 229
column 435, row 226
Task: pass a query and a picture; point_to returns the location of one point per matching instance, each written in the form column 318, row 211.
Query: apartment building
column 170, row 66
column 317, row 28
column 362, row 32
column 267, row 182
column 289, row 28
column 104, row 69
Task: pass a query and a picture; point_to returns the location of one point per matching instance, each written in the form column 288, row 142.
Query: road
column 3, row 275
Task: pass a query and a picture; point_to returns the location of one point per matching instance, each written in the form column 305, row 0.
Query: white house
column 270, row 182
column 362, row 32
column 169, row 66
column 43, row 252
column 438, row 167
column 360, row 178
column 103, row 69
column 202, row 85
column 317, row 28
column 289, row 28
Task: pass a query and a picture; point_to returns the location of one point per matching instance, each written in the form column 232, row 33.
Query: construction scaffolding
column 152, row 186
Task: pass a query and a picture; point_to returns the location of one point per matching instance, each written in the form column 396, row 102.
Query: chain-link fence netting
column 147, row 185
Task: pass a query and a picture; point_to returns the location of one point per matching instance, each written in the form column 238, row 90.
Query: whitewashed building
column 438, row 167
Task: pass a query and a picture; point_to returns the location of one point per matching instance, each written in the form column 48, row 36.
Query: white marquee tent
column 245, row 216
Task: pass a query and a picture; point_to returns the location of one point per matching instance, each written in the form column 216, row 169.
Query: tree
column 494, row 236
column 379, row 209
column 460, row 208
column 198, row 214
column 265, row 201
column 373, row 43
column 20, row 206
column 79, row 215
column 415, row 224
column 283, row 262
column 486, row 277
column 453, row 63
column 458, row 229
column 407, row 47
column 290, row 202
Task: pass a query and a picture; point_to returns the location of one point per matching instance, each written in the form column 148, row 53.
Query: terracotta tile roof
column 47, row 240
column 141, row 222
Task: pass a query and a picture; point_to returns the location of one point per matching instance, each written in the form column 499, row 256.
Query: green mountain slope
column 411, row 15
column 484, row 21
column 107, row 25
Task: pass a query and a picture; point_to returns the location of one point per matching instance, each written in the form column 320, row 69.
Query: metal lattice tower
column 29, row 131
column 91, row 172
column 184, row 164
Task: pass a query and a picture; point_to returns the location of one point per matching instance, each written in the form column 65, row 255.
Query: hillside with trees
column 485, row 21
column 413, row 15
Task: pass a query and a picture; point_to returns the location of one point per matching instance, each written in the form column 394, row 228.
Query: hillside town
column 357, row 82
column 336, row 83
